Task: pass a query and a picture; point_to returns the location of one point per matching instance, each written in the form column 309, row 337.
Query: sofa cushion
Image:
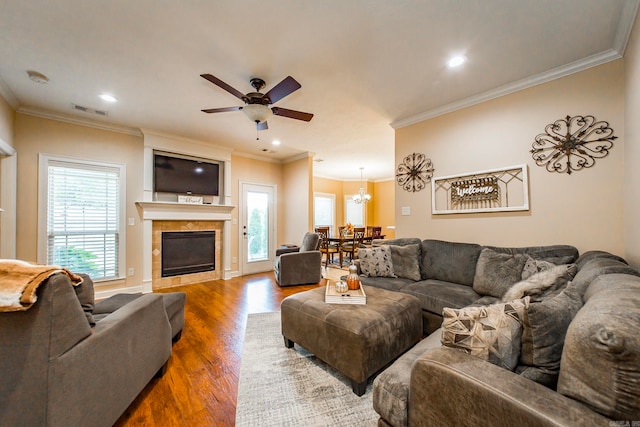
column 406, row 261
column 496, row 272
column 542, row 283
column 492, row 333
column 435, row 295
column 376, row 262
column 601, row 357
column 595, row 266
column 545, row 324
column 389, row 283
column 589, row 255
column 449, row 261
column 86, row 296
column 556, row 254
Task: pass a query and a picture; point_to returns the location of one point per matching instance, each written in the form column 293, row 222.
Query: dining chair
column 326, row 247
column 351, row 246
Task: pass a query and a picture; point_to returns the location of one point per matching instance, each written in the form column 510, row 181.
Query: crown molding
column 31, row 111
column 256, row 157
column 7, row 94
column 625, row 26
column 556, row 73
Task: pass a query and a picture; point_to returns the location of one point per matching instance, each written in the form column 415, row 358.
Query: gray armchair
column 301, row 265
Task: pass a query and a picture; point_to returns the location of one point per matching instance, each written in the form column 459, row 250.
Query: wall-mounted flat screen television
column 185, row 176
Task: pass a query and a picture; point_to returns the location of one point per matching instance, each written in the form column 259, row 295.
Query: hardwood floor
column 201, row 383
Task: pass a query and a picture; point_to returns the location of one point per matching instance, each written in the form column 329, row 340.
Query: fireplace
column 186, row 252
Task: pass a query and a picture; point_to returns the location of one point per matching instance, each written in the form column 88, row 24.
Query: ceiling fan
column 257, row 106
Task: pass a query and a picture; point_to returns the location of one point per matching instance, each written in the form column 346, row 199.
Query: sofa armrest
column 300, row 268
column 451, row 388
column 287, row 250
column 96, row 380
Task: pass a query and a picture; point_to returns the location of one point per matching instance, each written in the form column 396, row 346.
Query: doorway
column 257, row 230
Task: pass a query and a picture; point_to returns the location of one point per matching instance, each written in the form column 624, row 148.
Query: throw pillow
column 496, row 272
column 85, row 294
column 542, row 283
column 533, row 266
column 405, row 261
column 492, row 333
column 376, row 262
column 545, row 324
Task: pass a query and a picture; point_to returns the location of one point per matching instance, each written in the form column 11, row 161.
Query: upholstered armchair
column 299, row 265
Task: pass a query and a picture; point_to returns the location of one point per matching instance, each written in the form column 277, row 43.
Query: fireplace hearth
column 186, row 252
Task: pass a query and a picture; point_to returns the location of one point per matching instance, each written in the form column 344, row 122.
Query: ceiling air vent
column 89, row 110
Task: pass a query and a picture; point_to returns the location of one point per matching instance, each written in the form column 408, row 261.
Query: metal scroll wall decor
column 414, row 172
column 572, row 143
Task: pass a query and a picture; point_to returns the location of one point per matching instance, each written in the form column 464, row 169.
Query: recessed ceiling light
column 108, row 98
column 456, row 61
column 38, row 77
column 275, row 142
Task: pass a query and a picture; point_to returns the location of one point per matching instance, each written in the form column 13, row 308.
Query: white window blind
column 354, row 212
column 83, row 218
column 324, row 210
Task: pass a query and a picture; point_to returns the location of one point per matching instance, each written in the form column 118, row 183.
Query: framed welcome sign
column 496, row 190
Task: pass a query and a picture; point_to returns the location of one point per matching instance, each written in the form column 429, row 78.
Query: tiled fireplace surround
column 166, row 216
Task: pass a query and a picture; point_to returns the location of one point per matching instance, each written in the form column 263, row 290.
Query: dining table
column 337, row 240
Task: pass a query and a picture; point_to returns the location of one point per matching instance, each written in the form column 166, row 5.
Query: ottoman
column 357, row 340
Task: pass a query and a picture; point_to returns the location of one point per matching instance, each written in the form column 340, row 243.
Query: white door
column 257, row 230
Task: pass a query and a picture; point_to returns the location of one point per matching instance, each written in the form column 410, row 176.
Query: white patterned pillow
column 376, row 262
column 492, row 333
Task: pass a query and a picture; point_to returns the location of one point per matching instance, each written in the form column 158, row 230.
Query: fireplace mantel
column 162, row 211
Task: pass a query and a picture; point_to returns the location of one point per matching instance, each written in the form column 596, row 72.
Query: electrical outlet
column 130, row 271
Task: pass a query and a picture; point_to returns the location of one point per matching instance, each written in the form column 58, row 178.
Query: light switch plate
column 406, row 210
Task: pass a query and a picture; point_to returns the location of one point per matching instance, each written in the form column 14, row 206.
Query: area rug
column 281, row 386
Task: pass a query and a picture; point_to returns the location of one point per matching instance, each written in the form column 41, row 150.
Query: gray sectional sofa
column 578, row 360
column 65, row 362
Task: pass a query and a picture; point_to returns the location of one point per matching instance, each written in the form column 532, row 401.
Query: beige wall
column 7, row 117
column 8, row 167
column 35, row 135
column 631, row 188
column 297, row 199
column 383, row 207
column 584, row 209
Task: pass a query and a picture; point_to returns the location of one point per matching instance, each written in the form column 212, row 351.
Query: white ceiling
column 363, row 64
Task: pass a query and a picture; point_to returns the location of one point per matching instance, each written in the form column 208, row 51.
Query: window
column 324, row 210
column 81, row 216
column 354, row 212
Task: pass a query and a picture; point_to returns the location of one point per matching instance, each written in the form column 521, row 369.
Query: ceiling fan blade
column 292, row 114
column 221, row 110
column 262, row 126
column 216, row 81
column 282, row 89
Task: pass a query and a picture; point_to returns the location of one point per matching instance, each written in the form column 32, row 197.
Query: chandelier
column 361, row 197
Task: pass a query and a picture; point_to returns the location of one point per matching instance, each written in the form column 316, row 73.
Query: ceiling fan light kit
column 258, row 105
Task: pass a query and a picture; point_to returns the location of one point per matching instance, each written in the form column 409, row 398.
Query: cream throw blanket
column 19, row 281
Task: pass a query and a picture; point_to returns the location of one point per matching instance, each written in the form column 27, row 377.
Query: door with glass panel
column 257, row 230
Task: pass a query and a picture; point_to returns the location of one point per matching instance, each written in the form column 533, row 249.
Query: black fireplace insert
column 186, row 252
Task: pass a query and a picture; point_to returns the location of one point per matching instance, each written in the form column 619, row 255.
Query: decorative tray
column 331, row 296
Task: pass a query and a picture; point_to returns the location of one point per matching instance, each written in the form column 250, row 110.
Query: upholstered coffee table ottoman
column 357, row 340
